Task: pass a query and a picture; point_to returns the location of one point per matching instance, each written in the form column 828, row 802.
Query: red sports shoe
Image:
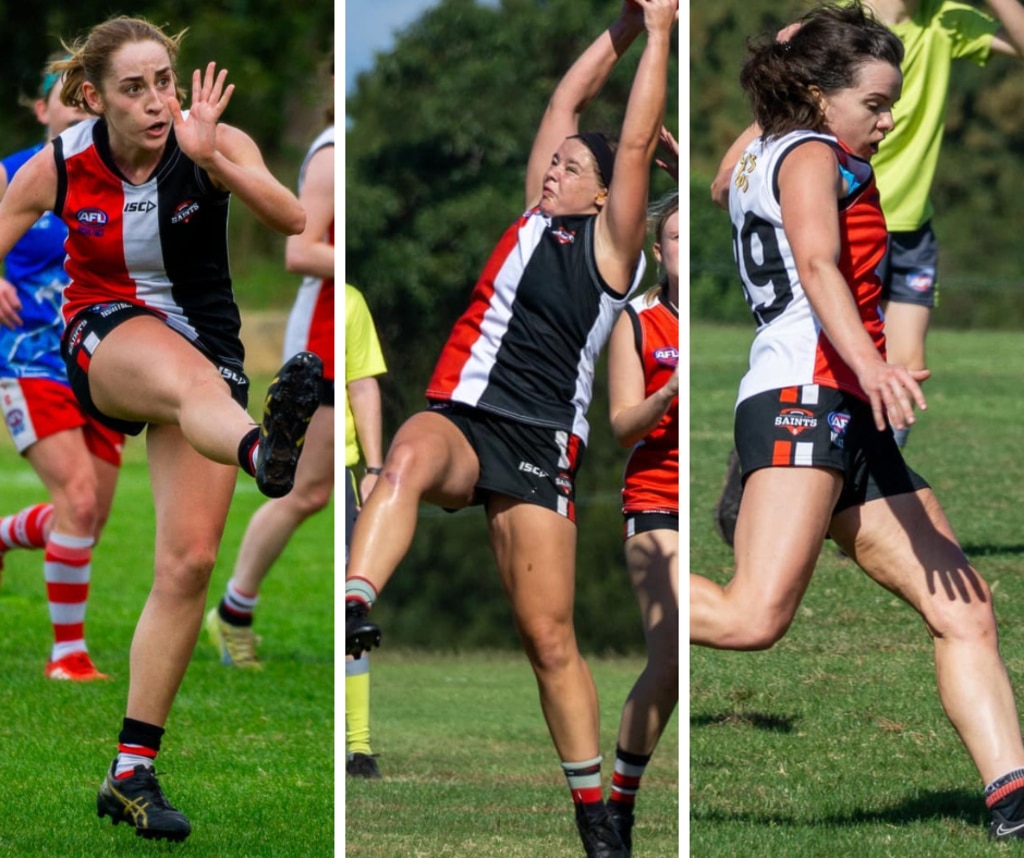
column 76, row 667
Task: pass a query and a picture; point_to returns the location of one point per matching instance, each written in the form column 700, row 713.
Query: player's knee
column 186, row 573
column 80, row 503
column 760, row 633
column 404, row 466
column 311, row 499
column 550, row 645
column 968, row 620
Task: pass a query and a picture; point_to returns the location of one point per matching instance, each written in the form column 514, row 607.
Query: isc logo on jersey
column 140, row 206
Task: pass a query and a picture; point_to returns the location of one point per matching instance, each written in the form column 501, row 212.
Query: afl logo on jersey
column 184, row 211
column 667, row 356
column 91, row 221
column 92, row 217
column 563, row 235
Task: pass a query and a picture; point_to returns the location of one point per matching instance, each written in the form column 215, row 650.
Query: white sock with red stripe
column 25, row 529
column 584, row 781
column 137, row 745
column 629, row 769
column 237, row 608
column 68, row 568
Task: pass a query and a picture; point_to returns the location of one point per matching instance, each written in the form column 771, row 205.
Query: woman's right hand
column 9, row 305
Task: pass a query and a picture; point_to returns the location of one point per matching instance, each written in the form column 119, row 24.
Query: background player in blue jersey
column 76, row 457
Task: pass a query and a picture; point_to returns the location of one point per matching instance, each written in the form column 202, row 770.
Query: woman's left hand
column 894, row 391
column 197, row 133
column 670, row 163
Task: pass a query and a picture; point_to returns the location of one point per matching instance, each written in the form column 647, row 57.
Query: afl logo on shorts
column 16, row 422
column 838, row 421
column 921, row 280
column 796, row 420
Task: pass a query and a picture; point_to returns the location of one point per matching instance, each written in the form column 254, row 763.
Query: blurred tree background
column 978, row 190
column 276, row 54
column 437, row 136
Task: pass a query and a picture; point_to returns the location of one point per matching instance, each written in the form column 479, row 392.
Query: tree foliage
column 977, row 191
column 275, row 54
column 438, row 133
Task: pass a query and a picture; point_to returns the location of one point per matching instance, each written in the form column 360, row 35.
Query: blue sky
column 370, row 26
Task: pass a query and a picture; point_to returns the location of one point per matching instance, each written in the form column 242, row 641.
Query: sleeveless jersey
column 537, row 320
column 651, row 482
column 161, row 244
column 311, row 322
column 35, row 267
column 790, row 347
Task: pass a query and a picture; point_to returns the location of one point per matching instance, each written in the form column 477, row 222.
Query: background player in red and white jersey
column 507, row 426
column 643, row 390
column 816, row 410
column 152, row 338
column 310, row 328
column 77, row 458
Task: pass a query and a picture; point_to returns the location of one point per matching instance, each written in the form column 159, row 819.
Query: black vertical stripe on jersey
column 195, row 254
column 556, row 305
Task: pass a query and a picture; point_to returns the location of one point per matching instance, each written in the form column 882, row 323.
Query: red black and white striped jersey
column 791, row 348
column 311, row 321
column 651, row 482
column 161, row 244
column 537, row 320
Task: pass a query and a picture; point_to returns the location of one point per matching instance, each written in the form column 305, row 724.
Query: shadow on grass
column 757, row 720
column 963, row 805
column 990, row 550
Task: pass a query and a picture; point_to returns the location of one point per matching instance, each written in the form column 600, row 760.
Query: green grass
column 834, row 742
column 469, row 768
column 248, row 757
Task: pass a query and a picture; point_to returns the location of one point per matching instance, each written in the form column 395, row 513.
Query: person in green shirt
column 934, row 34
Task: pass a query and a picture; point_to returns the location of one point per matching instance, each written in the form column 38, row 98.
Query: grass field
column 834, row 742
column 469, row 769
column 247, row 756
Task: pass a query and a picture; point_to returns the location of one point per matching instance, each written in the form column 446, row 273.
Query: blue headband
column 49, row 82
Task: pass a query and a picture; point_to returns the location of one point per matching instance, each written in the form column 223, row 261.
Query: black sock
column 245, row 449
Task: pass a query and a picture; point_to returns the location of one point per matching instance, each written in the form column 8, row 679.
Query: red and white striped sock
column 138, row 743
column 68, row 568
column 25, row 529
column 130, row 756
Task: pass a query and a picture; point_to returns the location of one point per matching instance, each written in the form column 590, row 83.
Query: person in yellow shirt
column 364, row 361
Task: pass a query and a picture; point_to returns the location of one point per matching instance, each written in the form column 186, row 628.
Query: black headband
column 597, row 143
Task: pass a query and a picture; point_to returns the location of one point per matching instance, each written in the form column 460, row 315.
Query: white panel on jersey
column 143, row 255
